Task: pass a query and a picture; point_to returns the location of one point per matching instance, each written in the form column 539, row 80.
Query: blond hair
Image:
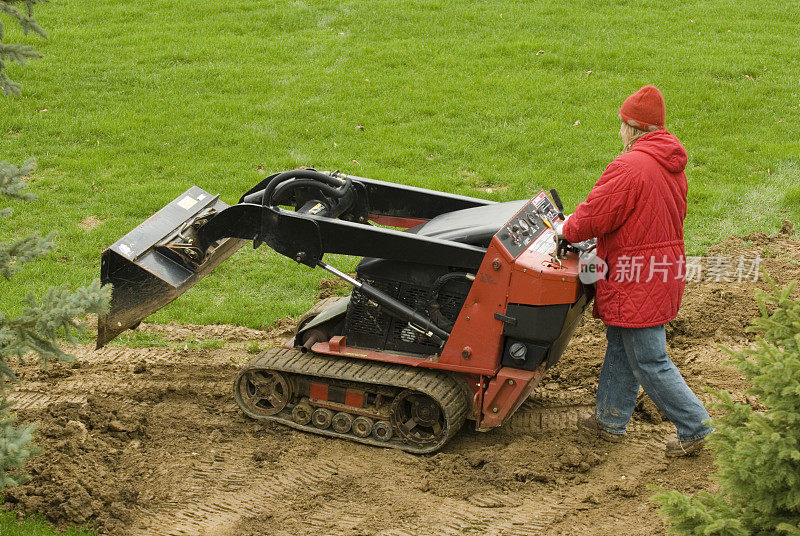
column 629, row 135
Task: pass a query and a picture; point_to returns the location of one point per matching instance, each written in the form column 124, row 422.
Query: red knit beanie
column 645, row 109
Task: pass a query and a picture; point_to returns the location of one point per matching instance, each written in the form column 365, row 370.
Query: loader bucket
column 145, row 274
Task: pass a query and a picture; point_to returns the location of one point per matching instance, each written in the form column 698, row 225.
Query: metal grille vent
column 364, row 316
column 368, row 326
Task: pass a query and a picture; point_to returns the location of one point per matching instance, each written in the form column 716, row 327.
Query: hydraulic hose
column 435, row 308
column 336, row 195
column 291, row 184
column 268, row 197
column 441, row 281
column 256, row 193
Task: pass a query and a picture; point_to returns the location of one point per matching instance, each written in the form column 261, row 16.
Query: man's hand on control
column 558, row 226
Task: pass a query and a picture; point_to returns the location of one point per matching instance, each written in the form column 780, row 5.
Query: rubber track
column 550, row 411
column 442, row 387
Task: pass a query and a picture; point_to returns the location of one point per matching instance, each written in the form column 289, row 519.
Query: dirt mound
column 779, row 254
column 108, row 455
column 330, row 287
column 149, row 441
column 91, row 461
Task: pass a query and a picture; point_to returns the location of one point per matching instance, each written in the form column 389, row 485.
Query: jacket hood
column 665, row 148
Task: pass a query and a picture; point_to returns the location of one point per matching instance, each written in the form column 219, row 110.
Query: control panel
column 530, row 226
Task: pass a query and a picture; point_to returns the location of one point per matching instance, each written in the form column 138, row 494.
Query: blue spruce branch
column 757, row 450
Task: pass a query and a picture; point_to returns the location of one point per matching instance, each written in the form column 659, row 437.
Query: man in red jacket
column 636, row 211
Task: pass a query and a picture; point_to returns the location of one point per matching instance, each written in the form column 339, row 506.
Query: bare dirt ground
column 148, row 441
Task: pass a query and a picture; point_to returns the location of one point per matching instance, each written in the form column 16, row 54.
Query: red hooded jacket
column 636, row 210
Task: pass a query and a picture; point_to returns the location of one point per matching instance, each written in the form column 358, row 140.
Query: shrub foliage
column 757, row 450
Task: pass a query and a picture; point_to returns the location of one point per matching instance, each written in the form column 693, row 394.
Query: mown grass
column 135, row 102
column 136, row 339
column 11, row 526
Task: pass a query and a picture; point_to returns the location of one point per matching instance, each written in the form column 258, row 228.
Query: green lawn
column 136, row 101
column 11, row 526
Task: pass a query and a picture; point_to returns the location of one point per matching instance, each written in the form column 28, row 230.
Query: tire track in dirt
column 120, row 354
column 240, row 493
column 494, row 513
column 526, row 514
column 26, row 399
column 76, row 390
column 219, row 514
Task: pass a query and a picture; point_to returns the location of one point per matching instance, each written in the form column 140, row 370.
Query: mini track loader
column 457, row 317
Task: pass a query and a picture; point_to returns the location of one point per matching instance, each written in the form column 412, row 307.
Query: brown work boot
column 589, row 425
column 678, row 449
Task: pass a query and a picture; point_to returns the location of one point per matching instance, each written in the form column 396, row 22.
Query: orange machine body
column 519, row 270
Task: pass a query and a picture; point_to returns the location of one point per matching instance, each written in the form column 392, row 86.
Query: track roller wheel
column 322, row 418
column 418, row 418
column 382, row 431
column 342, row 422
column 262, row 393
column 301, row 414
column 362, row 426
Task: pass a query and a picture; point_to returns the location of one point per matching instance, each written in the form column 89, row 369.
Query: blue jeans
column 638, row 356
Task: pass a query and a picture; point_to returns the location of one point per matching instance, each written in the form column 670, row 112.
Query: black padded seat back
column 475, row 226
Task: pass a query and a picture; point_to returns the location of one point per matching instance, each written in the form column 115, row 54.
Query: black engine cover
column 368, row 325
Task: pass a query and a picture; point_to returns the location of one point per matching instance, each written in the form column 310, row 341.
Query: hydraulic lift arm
column 175, row 248
column 306, row 237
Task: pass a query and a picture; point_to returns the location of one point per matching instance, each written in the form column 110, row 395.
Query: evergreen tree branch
column 15, row 52
column 18, row 53
column 14, row 255
column 16, row 446
column 12, row 179
column 757, row 451
column 25, row 20
column 8, row 86
column 16, row 441
column 28, row 4
column 43, row 321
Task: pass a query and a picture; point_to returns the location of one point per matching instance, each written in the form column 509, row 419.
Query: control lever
column 554, row 256
column 557, row 201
